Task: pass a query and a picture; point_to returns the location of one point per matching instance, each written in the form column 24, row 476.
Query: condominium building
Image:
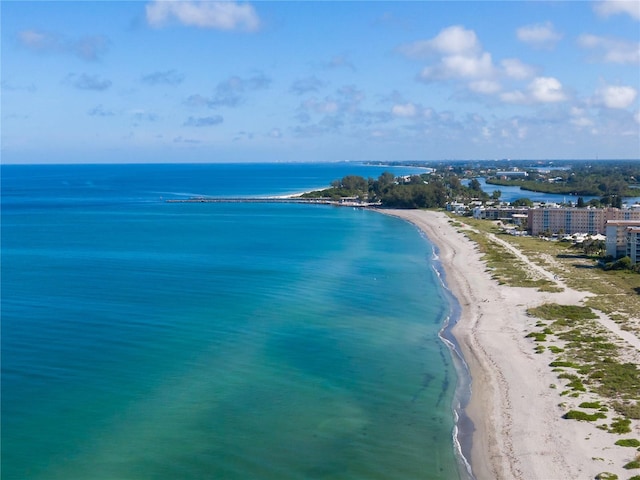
column 498, row 213
column 617, row 232
column 633, row 244
column 575, row 220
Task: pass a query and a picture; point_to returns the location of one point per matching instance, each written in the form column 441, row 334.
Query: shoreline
column 517, row 427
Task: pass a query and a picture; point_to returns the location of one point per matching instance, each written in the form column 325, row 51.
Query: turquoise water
column 149, row 340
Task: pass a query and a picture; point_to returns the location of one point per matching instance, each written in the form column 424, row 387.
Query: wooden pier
column 309, row 201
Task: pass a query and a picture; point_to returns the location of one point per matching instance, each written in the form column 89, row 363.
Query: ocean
column 150, row 340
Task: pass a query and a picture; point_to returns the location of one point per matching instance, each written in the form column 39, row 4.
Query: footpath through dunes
column 518, row 400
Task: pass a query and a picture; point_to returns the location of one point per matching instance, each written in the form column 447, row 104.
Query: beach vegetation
column 503, row 265
column 589, row 405
column 618, row 380
column 606, row 476
column 540, row 349
column 620, row 425
column 628, row 409
column 576, row 384
column 558, row 363
column 537, row 336
column 587, row 417
column 628, row 442
column 562, row 315
column 633, row 464
column 555, row 349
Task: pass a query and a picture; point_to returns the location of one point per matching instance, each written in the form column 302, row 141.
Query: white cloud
column 612, row 50
column 539, row 35
column 636, row 117
column 487, row 87
column 546, row 90
column 539, row 90
column 607, row 8
column 454, row 40
column 515, row 96
column 579, row 118
column 468, row 66
column 204, row 14
column 613, row 96
column 460, row 66
column 514, row 68
column 404, row 110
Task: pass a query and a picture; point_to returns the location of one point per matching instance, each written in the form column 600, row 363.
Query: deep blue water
column 151, row 340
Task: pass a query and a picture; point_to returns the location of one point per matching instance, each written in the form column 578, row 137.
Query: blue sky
column 203, row 81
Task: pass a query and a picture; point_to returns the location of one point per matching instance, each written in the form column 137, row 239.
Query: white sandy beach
column 519, row 429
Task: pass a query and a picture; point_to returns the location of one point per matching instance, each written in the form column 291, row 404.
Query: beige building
column 617, row 232
column 575, row 220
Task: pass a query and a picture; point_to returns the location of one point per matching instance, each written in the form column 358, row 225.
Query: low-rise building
column 511, row 174
column 456, row 207
column 498, row 213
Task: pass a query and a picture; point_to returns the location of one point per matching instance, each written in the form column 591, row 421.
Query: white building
column 633, row 244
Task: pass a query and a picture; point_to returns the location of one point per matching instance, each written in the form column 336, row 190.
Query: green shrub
column 559, row 363
column 578, row 415
column 632, row 464
column 577, row 385
column 620, row 425
column 606, row 476
column 590, row 405
column 537, row 336
column 628, row 442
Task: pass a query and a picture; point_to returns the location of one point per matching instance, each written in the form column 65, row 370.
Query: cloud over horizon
column 376, row 78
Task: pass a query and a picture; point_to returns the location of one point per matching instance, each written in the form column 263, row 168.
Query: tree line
column 415, row 191
column 605, row 179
